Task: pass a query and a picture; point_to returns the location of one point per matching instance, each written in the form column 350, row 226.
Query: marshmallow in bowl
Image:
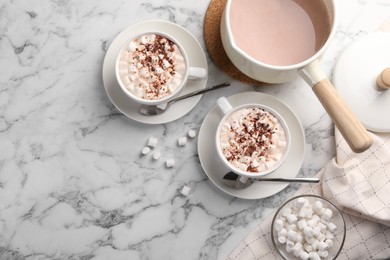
column 306, row 229
column 152, row 67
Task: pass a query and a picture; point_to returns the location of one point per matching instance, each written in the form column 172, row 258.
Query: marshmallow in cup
column 252, row 140
column 153, row 68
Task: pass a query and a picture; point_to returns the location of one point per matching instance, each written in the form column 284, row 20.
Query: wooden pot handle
column 349, row 126
column 346, row 122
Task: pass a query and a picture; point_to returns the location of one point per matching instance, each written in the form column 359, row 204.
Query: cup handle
column 346, row 122
column 195, row 73
column 224, row 105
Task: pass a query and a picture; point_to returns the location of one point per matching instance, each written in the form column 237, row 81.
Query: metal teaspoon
column 156, row 110
column 232, row 180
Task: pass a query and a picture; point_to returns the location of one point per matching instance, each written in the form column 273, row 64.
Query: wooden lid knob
column 383, row 80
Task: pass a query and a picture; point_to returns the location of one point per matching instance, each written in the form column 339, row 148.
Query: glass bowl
column 308, row 227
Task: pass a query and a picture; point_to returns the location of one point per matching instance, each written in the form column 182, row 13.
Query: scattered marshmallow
column 156, row 155
column 314, row 256
column 191, row 133
column 170, row 163
column 152, row 142
column 305, row 229
column 145, row 150
column 185, row 190
column 182, row 141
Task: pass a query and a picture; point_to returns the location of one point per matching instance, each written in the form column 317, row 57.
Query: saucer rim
column 258, row 190
column 128, row 107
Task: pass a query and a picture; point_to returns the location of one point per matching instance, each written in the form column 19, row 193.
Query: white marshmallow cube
column 314, row 256
column 300, row 203
column 170, row 163
column 282, row 239
column 279, row 224
column 329, row 235
column 332, row 227
column 289, row 246
column 329, row 242
column 292, row 218
column 317, row 206
column 152, row 142
column 301, row 224
column 315, row 244
column 286, row 212
column 182, row 141
column 308, row 231
column 323, row 253
column 145, row 150
column 282, row 232
column 317, row 231
column 156, row 155
column 185, row 190
column 297, row 249
column 322, row 246
column 191, row 133
column 305, row 212
column 308, row 247
column 327, row 215
column 303, row 255
column 292, row 235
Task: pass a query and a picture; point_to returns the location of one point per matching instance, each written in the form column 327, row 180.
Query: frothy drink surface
column 152, row 67
column 253, row 139
column 279, row 32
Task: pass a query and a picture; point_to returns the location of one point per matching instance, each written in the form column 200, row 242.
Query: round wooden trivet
column 214, row 45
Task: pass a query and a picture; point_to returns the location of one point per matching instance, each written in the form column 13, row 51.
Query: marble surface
column 72, row 182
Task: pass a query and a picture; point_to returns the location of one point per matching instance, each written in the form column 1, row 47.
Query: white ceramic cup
column 228, row 110
column 190, row 73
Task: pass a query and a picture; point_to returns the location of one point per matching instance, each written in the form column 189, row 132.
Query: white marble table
column 72, row 182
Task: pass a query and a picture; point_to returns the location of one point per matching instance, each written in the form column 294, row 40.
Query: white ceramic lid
column 355, row 77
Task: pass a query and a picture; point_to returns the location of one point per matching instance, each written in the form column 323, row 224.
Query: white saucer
column 215, row 169
column 129, row 108
column 355, row 76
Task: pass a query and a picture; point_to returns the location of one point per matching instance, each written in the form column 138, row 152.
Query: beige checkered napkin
column 360, row 186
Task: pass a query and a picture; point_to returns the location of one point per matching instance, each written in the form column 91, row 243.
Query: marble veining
column 73, row 183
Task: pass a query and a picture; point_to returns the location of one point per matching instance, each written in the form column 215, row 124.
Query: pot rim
column 333, row 14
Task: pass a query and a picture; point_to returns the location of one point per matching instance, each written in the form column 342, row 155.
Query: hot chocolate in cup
column 252, row 140
column 153, row 68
